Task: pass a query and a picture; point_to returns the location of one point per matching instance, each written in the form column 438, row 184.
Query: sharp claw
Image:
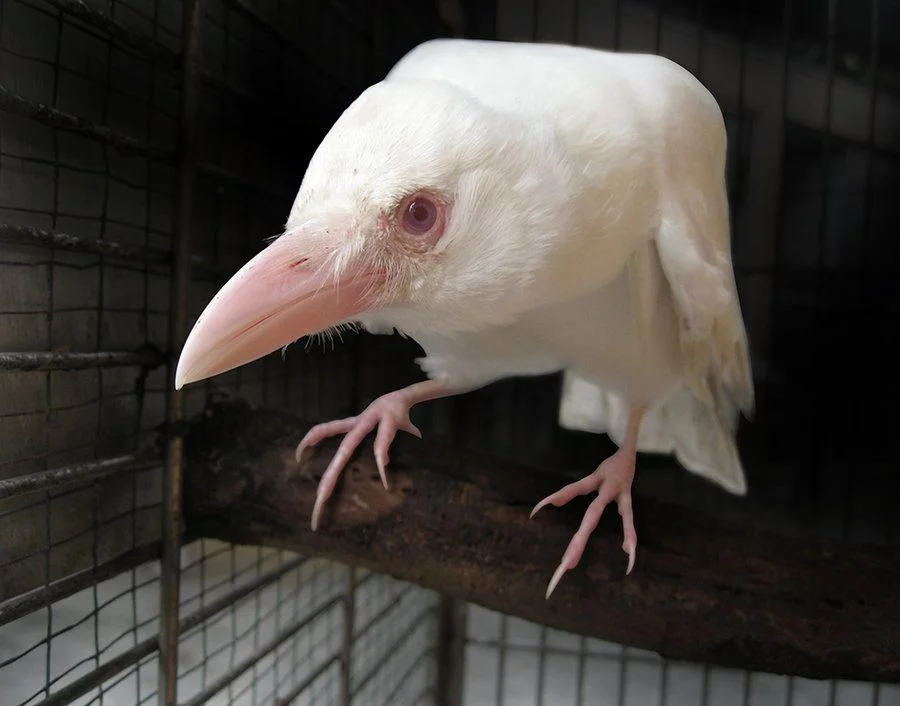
column 557, row 576
column 414, row 430
column 632, row 553
column 537, row 507
column 298, row 454
column 380, row 462
column 317, row 510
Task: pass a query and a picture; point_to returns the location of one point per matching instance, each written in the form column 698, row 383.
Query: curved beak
column 276, row 298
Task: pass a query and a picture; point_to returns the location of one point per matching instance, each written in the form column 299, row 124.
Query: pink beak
column 273, row 300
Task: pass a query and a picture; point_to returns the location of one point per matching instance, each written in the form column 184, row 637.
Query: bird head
column 422, row 206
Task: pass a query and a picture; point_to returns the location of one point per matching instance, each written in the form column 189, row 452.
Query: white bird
column 518, row 209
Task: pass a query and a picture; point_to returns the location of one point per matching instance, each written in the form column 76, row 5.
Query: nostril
column 301, row 261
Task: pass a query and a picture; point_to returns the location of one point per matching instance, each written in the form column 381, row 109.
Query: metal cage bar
column 20, row 606
column 201, row 268
column 59, row 478
column 52, row 117
column 192, row 22
column 147, row 358
column 115, row 30
column 27, row 235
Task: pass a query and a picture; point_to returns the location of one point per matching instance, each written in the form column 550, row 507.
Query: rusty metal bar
column 38, row 237
column 256, row 17
column 288, row 698
column 272, row 645
column 148, row 357
column 17, row 607
column 109, row 669
column 78, row 688
column 169, row 605
column 235, row 180
column 13, row 103
column 451, row 650
column 65, row 476
column 145, row 45
column 349, row 621
column 26, row 235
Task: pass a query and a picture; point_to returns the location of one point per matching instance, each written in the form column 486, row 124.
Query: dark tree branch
column 459, row 523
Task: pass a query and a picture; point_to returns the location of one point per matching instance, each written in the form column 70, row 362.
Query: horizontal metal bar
column 273, row 644
column 561, row 651
column 256, row 17
column 145, row 45
column 59, row 478
column 224, row 176
column 56, row 240
column 306, row 683
column 20, row 606
column 415, row 623
column 82, row 686
column 26, row 235
column 148, row 358
column 105, row 671
column 44, row 114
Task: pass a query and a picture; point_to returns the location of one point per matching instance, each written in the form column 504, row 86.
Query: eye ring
column 419, row 214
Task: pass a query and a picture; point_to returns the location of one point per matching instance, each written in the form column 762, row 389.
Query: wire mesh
column 511, row 661
column 88, row 155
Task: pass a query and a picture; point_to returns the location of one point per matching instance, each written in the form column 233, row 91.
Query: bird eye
column 419, row 215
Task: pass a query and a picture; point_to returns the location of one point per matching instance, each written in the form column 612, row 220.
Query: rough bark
column 458, row 523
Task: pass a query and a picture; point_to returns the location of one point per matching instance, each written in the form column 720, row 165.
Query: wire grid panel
column 511, row 662
column 256, row 624
column 70, row 181
column 55, row 301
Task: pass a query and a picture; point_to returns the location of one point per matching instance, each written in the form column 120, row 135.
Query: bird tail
column 700, row 437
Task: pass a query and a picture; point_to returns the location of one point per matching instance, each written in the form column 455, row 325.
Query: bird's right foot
column 389, row 414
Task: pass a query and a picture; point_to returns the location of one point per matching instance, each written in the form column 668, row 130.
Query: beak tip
column 182, row 376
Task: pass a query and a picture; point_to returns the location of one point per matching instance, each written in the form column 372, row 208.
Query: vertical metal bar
column 178, row 312
column 451, row 651
column 542, row 667
column 809, row 480
column 349, row 620
column 501, row 663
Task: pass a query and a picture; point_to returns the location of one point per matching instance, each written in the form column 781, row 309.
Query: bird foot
column 612, row 481
column 389, row 413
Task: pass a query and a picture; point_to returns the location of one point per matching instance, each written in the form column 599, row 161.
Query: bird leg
column 612, row 481
column 389, row 413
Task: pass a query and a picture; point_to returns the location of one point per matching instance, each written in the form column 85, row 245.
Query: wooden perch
column 458, row 523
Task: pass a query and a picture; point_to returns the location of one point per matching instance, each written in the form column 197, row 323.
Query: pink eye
column 419, row 215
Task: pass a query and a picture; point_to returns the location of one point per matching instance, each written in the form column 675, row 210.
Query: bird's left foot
column 612, row 481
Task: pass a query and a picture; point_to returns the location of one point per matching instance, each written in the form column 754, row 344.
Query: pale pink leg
column 389, row 413
column 612, row 481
